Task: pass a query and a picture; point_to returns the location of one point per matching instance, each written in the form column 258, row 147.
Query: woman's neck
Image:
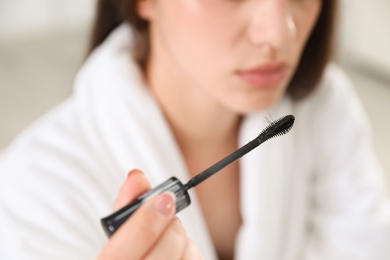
column 197, row 120
column 205, row 132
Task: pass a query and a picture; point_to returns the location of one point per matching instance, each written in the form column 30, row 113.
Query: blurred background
column 43, row 44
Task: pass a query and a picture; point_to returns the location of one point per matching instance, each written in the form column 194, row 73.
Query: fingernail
column 134, row 171
column 165, row 203
column 178, row 219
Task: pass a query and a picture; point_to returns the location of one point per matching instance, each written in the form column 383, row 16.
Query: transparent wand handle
column 112, row 222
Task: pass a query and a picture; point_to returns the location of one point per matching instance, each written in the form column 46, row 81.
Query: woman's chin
column 253, row 104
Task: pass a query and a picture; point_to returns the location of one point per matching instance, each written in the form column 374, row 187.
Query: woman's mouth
column 265, row 75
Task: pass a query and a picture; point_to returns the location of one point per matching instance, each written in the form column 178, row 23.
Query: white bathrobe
column 315, row 193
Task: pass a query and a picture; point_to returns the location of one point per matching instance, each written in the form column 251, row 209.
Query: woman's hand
column 153, row 231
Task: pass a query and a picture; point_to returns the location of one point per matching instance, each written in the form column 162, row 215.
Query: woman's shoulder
column 51, row 143
column 334, row 85
column 334, row 112
column 46, row 176
column 49, row 129
column 335, row 96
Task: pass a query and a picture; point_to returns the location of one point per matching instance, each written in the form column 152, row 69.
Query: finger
column 191, row 251
column 135, row 184
column 171, row 244
column 140, row 232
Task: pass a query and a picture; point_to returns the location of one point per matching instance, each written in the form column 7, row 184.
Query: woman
column 173, row 86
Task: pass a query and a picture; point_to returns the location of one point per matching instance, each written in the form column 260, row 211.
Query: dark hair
column 315, row 57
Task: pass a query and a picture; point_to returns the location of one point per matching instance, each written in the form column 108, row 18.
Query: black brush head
column 279, row 127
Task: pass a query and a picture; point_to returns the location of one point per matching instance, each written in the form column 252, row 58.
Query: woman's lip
column 265, row 75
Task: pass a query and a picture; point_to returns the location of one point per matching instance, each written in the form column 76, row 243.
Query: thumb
column 135, row 184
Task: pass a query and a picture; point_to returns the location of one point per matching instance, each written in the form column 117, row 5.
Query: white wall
column 22, row 19
column 365, row 32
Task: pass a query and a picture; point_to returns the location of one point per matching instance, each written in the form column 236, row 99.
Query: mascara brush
column 112, row 222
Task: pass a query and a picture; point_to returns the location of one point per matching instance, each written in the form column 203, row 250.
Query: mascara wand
column 112, row 222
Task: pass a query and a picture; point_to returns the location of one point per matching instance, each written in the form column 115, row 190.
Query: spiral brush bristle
column 279, row 127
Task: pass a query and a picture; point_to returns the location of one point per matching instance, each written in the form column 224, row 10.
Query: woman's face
column 242, row 53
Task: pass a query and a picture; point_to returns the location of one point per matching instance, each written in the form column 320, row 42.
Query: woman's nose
column 271, row 22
